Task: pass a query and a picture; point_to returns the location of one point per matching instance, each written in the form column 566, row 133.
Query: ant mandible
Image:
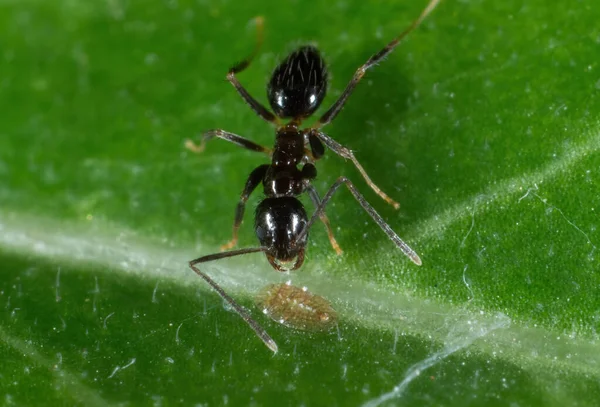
column 295, row 91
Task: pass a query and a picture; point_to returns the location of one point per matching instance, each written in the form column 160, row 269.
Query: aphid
column 295, row 91
column 296, row 307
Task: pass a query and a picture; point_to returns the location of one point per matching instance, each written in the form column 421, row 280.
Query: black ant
column 295, row 91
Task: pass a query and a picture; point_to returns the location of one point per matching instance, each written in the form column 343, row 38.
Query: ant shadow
column 373, row 123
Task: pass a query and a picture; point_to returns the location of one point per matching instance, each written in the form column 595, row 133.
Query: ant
column 295, row 91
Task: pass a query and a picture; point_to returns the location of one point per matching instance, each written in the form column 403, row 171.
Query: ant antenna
column 260, row 332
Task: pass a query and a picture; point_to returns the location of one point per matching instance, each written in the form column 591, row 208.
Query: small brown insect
column 296, row 307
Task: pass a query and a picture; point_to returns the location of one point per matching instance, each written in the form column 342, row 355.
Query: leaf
column 483, row 124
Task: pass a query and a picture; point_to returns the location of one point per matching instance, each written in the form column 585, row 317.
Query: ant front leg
column 258, row 108
column 410, row 253
column 260, row 332
column 314, row 196
column 225, row 135
column 253, row 181
column 346, row 153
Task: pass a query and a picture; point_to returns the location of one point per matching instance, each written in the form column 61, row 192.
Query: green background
column 484, row 125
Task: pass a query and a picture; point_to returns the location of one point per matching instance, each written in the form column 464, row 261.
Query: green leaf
column 483, row 124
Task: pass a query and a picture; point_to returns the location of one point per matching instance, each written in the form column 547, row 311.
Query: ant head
column 279, row 222
column 298, row 85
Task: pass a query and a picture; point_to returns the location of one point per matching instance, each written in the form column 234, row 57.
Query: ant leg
column 314, row 196
column 374, row 60
column 317, row 149
column 255, row 178
column 259, row 109
column 260, row 332
column 346, row 153
column 410, row 253
column 225, row 135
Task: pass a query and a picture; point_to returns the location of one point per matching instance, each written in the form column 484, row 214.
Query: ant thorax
column 289, row 146
column 283, row 178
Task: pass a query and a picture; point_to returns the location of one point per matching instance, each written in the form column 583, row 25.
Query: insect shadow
column 295, row 91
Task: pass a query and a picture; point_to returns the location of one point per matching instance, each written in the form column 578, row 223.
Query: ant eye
column 261, row 233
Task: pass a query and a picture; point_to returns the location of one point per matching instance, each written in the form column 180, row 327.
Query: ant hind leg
column 255, row 105
column 333, row 111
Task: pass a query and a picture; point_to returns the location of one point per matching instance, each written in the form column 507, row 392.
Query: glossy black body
column 277, row 224
column 280, row 217
column 298, row 85
column 295, row 91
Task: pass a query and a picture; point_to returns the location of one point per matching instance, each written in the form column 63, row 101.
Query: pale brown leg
column 348, row 154
column 227, row 136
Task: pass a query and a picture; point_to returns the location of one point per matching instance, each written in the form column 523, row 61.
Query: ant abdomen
column 298, row 84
